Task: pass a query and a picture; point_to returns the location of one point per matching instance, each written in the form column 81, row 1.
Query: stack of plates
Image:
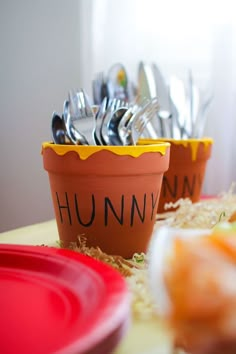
column 59, row 301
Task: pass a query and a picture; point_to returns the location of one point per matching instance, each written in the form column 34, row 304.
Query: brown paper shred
column 204, row 214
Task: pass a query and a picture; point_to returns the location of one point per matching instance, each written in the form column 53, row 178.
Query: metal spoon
column 99, row 120
column 58, row 129
column 113, row 131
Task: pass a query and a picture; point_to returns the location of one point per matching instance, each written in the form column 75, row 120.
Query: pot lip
column 192, row 144
column 84, row 151
column 206, row 140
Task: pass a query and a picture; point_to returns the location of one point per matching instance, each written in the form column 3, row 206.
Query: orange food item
column 233, row 217
column 201, row 283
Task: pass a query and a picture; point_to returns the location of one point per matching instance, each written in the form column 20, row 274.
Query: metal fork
column 124, row 127
column 140, row 122
column 137, row 123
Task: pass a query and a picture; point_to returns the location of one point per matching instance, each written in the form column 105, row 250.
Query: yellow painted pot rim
column 84, row 151
column 192, row 144
column 176, row 141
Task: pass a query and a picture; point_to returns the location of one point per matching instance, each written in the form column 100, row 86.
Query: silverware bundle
column 182, row 109
column 113, row 122
column 121, row 112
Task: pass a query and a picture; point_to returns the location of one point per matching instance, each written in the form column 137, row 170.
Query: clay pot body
column 185, row 176
column 107, row 196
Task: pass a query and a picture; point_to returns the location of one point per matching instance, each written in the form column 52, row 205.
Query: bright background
column 50, row 46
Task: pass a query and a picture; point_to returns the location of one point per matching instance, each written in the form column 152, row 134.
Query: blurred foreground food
column 200, row 278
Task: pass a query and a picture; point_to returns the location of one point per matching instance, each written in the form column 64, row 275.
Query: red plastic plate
column 59, row 301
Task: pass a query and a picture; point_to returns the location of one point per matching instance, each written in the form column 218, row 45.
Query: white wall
column 39, row 62
column 178, row 36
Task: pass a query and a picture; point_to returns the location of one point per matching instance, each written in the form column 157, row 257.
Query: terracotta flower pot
column 185, row 176
column 109, row 194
